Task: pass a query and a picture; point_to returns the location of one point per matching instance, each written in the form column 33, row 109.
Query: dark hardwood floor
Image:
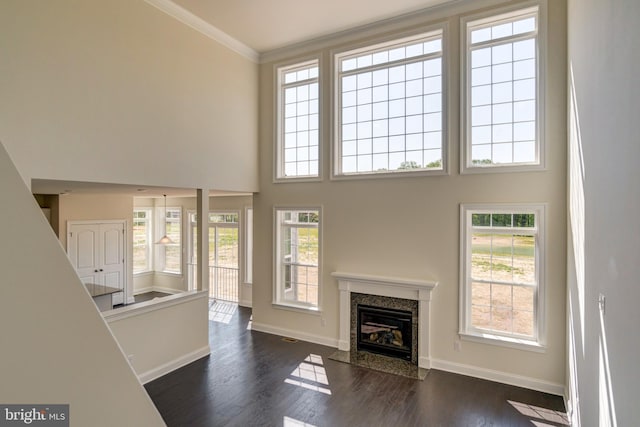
column 257, row 379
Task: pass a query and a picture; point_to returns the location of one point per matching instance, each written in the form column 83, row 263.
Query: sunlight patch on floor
column 292, row 422
column 222, row 312
column 310, row 374
column 541, row 417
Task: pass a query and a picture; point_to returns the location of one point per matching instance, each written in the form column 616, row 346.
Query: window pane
column 300, row 113
column 483, row 220
column 509, row 68
column 523, row 322
column 502, row 272
column 383, row 107
column 298, row 257
column 139, row 259
column 524, row 220
column 481, row 256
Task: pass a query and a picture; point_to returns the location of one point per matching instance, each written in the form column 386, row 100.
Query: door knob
column 95, row 271
column 101, row 270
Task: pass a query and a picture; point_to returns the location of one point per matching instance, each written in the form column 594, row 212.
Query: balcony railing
column 223, row 282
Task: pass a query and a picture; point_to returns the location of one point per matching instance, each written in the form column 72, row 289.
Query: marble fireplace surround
column 417, row 290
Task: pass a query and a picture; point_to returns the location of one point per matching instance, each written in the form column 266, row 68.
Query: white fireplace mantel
column 418, row 290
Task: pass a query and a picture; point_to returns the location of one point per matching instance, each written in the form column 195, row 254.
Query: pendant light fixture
column 165, row 240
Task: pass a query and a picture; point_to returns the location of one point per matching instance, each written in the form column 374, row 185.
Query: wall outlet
column 323, row 321
column 457, row 345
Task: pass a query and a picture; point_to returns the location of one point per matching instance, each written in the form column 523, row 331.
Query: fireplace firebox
column 384, row 331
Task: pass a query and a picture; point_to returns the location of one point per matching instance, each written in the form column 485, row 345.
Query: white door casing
column 97, row 252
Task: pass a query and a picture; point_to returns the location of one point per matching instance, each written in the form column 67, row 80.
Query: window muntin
column 298, row 117
column 389, row 107
column 173, row 251
column 502, row 265
column 223, row 218
column 142, row 227
column 297, row 257
column 502, row 85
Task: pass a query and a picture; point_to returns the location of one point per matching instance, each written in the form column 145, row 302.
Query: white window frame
column 487, row 19
column 441, row 30
column 278, row 281
column 149, row 234
column 248, row 245
column 279, row 158
column 467, row 331
column 225, row 224
column 161, row 248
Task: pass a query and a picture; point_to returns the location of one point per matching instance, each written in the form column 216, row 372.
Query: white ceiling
column 265, row 25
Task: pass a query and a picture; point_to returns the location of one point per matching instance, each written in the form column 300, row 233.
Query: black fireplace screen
column 384, row 331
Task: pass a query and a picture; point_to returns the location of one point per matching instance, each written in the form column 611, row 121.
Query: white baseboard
column 424, row 362
column 274, row 330
column 171, row 366
column 245, row 303
column 143, row 290
column 497, row 376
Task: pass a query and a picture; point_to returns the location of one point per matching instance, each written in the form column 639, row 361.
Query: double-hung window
column 297, row 258
column 502, row 254
column 502, row 92
column 389, row 107
column 298, row 141
column 142, row 227
column 173, row 251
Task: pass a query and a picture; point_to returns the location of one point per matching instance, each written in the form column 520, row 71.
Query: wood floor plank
column 256, row 379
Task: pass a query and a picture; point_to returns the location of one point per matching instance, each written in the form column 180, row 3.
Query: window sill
column 389, row 174
column 297, row 308
column 143, row 273
column 506, row 168
column 294, row 179
column 520, row 344
column 169, row 273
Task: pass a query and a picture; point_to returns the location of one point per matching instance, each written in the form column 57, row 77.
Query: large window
column 502, row 92
column 173, row 251
column 142, row 227
column 297, row 154
column 389, row 107
column 502, row 272
column 297, row 257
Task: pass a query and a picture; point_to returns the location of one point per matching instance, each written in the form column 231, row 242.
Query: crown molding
column 198, row 24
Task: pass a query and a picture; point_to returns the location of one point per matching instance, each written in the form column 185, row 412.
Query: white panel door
column 83, row 252
column 96, row 251
column 112, row 258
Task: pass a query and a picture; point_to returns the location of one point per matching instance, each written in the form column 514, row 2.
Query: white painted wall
column 120, row 92
column 50, row 353
column 604, row 194
column 157, row 341
column 409, row 227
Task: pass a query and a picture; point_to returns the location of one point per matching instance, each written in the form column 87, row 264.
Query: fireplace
column 384, row 331
column 388, row 293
